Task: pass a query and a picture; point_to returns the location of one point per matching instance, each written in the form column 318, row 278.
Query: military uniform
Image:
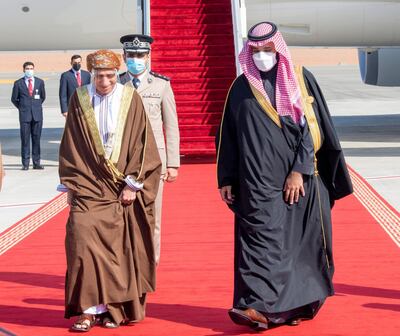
column 159, row 103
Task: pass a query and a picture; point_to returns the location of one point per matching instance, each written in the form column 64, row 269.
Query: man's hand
column 294, row 187
column 127, row 196
column 65, row 114
column 171, row 174
column 226, row 194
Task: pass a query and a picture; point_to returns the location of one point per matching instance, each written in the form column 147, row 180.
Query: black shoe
column 25, row 168
column 294, row 322
column 38, row 167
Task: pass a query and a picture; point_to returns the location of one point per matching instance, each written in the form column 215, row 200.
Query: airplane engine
column 380, row 66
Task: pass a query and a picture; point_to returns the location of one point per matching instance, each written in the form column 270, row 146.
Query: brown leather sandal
column 84, row 323
column 108, row 322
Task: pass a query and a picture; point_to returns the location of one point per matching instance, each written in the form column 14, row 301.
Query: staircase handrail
column 239, row 27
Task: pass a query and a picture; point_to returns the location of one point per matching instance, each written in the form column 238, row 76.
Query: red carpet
column 195, row 276
column 194, row 47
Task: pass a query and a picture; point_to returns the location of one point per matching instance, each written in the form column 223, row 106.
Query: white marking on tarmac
column 383, row 177
column 17, row 205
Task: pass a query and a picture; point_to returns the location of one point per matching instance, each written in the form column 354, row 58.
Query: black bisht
column 283, row 253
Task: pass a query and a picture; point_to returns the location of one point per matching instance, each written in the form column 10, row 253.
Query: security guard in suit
column 159, row 103
column 70, row 80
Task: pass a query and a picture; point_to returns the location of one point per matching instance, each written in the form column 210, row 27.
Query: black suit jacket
column 29, row 108
column 68, row 85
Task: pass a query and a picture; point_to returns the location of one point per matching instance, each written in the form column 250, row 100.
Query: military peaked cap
column 136, row 42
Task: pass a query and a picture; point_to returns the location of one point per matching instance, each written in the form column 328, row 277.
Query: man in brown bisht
column 110, row 166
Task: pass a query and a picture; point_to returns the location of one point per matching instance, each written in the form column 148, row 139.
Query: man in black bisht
column 280, row 169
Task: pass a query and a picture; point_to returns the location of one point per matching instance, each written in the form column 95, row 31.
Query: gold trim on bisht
column 88, row 113
column 266, row 106
column 313, row 126
column 127, row 94
column 89, row 116
column 308, row 109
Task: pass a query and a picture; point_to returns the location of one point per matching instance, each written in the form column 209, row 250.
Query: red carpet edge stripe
column 29, row 224
column 386, row 216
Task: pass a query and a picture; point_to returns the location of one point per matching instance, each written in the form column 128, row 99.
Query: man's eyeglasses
column 108, row 76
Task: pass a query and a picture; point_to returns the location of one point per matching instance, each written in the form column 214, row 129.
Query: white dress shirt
column 27, row 81
column 106, row 110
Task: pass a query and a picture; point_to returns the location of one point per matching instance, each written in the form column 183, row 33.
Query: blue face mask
column 136, row 65
column 29, row 73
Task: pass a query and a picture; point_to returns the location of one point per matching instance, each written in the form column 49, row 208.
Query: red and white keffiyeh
column 288, row 99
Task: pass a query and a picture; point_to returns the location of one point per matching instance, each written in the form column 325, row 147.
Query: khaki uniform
column 159, row 103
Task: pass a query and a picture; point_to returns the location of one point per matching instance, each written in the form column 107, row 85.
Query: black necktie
column 135, row 82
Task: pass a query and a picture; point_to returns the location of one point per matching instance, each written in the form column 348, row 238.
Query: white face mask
column 264, row 61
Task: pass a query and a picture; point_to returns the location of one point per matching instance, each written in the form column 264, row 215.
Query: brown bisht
column 109, row 247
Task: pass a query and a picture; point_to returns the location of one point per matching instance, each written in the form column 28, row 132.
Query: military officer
column 159, row 103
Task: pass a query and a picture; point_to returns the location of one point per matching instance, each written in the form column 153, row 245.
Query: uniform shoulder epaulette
column 155, row 74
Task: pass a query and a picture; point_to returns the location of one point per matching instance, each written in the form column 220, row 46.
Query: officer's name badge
column 151, row 95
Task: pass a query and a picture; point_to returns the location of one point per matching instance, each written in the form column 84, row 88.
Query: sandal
column 84, row 323
column 108, row 322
